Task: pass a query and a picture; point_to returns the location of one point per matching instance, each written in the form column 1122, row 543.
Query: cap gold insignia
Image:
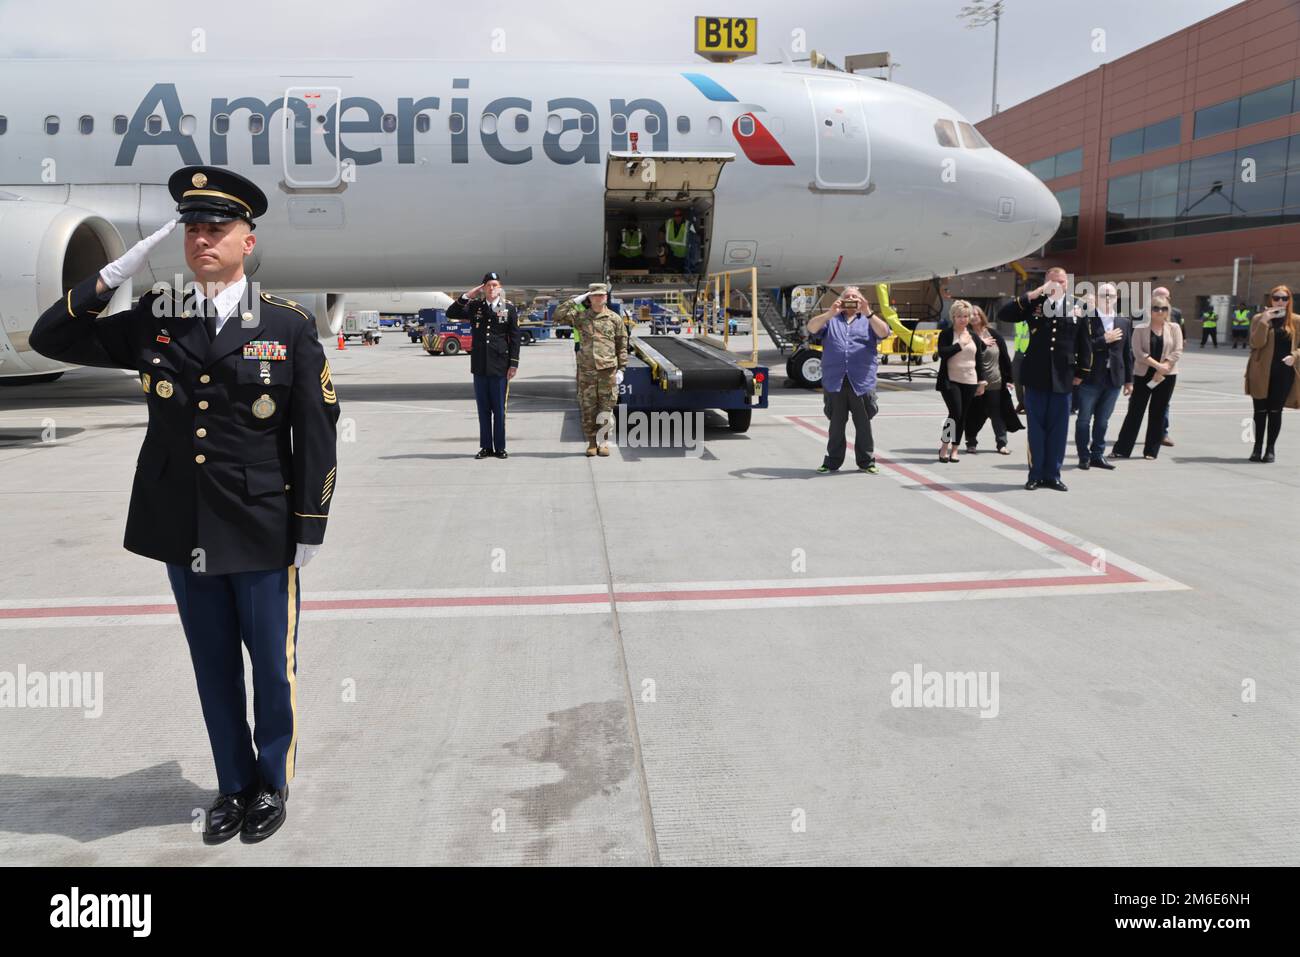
column 264, row 407
column 163, row 389
column 199, row 181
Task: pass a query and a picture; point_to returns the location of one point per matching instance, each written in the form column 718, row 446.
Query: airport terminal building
column 1178, row 164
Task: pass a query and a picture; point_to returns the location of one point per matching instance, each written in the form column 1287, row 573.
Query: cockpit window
column 946, row 133
column 971, row 137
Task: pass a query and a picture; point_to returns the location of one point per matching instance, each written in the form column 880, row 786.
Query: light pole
column 980, row 13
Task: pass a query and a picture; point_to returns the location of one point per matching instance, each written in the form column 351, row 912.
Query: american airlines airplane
column 423, row 174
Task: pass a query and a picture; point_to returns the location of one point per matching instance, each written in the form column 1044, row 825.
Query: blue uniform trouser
column 1049, row 426
column 1096, row 403
column 490, row 394
column 258, row 610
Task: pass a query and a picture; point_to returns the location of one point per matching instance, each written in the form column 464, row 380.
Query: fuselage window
column 153, row 125
column 521, row 122
column 745, row 125
column 587, row 123
column 4, row 124
column 120, row 124
column 188, row 124
column 221, row 124
column 651, row 124
column 423, row 123
column 946, row 133
column 51, row 125
column 715, row 125
column 618, row 123
column 488, row 123
column 683, row 124
column 86, row 125
column 256, row 123
column 388, row 123
column 456, row 122
column 554, row 124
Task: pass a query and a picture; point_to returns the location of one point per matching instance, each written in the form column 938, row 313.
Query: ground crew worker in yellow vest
column 1241, row 327
column 1022, row 345
column 631, row 245
column 1210, row 327
column 600, row 366
column 675, row 237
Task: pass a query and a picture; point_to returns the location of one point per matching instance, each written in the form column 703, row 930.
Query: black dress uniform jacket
column 1059, row 345
column 495, row 347
column 238, row 466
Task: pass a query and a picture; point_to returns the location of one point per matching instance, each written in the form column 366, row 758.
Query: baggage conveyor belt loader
column 674, row 373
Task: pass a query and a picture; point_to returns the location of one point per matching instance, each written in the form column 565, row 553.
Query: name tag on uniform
column 265, row 349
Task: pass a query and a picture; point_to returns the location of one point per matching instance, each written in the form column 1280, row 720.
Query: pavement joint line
column 643, row 783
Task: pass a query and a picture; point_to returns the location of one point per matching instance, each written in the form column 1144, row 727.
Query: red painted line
column 896, row 588
column 1056, row 544
column 326, row 604
column 838, row 263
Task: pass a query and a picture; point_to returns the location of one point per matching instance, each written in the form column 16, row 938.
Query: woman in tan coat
column 1271, row 379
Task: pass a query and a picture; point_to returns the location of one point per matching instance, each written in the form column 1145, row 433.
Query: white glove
column 618, row 377
column 579, row 297
column 304, row 554
column 133, row 260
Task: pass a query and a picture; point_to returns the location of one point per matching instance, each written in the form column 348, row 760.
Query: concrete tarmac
column 662, row 658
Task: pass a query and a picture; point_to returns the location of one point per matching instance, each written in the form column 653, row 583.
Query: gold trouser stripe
column 301, row 515
column 70, row 312
column 290, row 663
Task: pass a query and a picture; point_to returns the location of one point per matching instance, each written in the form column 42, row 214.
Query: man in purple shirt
column 852, row 332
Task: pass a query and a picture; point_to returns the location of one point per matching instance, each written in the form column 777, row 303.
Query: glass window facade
column 1067, row 237
column 1257, row 185
column 1062, row 164
column 1255, row 107
column 1157, row 136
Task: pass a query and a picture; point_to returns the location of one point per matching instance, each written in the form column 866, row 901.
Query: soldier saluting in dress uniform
column 234, row 480
column 1058, row 357
column 493, row 358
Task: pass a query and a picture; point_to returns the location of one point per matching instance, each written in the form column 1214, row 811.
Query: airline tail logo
column 760, row 146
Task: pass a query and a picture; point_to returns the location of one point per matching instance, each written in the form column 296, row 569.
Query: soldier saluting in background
column 234, row 480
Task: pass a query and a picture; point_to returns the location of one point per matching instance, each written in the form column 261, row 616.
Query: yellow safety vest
column 1022, row 336
column 676, row 238
column 631, row 244
column 1210, row 320
column 1241, row 317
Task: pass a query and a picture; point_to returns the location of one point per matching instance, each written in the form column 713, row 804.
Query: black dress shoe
column 265, row 815
column 503, row 454
column 1032, row 484
column 1102, row 464
column 1056, row 485
column 1257, row 456
column 483, row 454
column 1268, row 457
column 226, row 816
column 1085, row 464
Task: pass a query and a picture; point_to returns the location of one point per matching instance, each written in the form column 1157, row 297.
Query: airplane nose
column 1043, row 209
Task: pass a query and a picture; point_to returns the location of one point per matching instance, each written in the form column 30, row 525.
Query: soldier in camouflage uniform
column 601, row 360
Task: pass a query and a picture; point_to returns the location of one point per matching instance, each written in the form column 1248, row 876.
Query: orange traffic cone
column 341, row 345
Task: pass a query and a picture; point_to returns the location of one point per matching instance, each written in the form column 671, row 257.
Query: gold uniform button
column 205, row 378
column 200, row 459
column 287, row 487
column 203, row 404
column 156, row 360
column 201, row 433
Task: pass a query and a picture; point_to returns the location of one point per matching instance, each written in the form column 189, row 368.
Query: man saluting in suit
column 234, row 481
